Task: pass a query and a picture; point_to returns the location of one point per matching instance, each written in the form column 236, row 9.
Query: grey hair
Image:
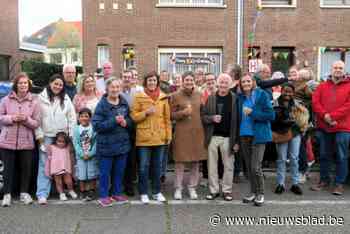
column 110, row 80
column 65, row 66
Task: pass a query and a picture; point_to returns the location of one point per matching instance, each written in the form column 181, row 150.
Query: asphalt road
column 314, row 212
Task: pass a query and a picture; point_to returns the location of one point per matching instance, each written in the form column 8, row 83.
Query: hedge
column 41, row 72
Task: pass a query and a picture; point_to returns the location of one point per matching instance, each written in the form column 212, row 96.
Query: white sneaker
column 63, row 197
column 159, row 197
column 144, row 199
column 193, row 193
column 178, row 194
column 73, row 194
column 302, row 178
column 309, row 164
column 42, row 201
column 6, row 201
column 26, row 198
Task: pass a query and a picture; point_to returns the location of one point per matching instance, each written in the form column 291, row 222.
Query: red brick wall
column 305, row 27
column 9, row 42
column 149, row 27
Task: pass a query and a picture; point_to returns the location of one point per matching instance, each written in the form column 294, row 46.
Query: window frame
column 190, row 51
column 293, row 5
column 6, row 59
column 98, row 57
column 322, row 5
column 192, row 5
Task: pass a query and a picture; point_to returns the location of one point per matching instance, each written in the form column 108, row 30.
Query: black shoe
column 296, row 189
column 83, row 196
column 162, row 179
column 280, row 189
column 91, row 195
column 130, row 192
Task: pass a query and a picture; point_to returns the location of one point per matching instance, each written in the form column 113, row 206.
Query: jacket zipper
column 17, row 130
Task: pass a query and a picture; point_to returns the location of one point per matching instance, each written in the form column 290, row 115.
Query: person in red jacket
column 331, row 105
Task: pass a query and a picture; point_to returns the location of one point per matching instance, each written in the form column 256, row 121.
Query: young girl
column 84, row 140
column 59, row 164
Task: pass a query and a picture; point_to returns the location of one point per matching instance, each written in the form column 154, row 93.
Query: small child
column 59, row 164
column 84, row 140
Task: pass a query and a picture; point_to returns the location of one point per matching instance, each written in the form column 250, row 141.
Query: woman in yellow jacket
column 151, row 113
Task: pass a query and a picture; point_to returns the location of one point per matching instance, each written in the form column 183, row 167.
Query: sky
column 36, row 14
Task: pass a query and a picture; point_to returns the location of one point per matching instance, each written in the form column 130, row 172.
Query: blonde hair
column 81, row 82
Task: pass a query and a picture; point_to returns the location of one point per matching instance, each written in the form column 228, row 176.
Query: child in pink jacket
column 59, row 164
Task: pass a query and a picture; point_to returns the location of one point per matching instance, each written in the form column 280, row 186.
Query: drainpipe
column 240, row 29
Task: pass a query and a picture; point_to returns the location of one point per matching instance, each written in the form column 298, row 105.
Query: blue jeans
column 43, row 186
column 147, row 155
column 330, row 143
column 289, row 149
column 106, row 165
column 165, row 158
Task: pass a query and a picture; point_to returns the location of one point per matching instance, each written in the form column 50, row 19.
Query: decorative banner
column 285, row 55
column 259, row 5
column 192, row 60
column 251, row 37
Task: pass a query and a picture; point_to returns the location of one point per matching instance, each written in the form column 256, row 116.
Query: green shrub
column 40, row 72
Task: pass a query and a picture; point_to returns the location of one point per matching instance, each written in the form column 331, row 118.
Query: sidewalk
column 179, row 216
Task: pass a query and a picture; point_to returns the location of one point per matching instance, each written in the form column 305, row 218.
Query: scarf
column 154, row 95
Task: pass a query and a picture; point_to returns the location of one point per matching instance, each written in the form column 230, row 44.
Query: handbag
column 280, row 138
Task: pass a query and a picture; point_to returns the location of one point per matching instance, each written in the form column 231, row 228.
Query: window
column 278, row 3
column 128, row 54
column 282, row 59
column 74, row 57
column 329, row 56
column 102, row 55
column 101, row 6
column 335, row 3
column 56, row 58
column 178, row 60
column 191, row 3
column 4, row 67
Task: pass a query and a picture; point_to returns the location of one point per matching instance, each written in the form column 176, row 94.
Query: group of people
column 106, row 133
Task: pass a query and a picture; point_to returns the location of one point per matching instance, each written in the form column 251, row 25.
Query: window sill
column 279, row 6
column 335, row 7
column 190, row 6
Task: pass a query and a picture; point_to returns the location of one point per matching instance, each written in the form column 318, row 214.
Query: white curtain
column 327, row 59
column 102, row 55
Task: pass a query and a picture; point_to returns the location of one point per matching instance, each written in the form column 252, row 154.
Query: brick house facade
column 305, row 33
column 9, row 42
column 150, row 29
column 304, row 28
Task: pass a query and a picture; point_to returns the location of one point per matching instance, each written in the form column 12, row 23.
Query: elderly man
column 135, row 82
column 199, row 78
column 107, row 70
column 264, row 81
column 130, row 173
column 219, row 116
column 69, row 74
column 164, row 82
column 331, row 105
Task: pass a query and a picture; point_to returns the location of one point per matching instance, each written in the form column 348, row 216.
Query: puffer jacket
column 333, row 99
column 18, row 136
column 112, row 140
column 54, row 117
column 155, row 129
